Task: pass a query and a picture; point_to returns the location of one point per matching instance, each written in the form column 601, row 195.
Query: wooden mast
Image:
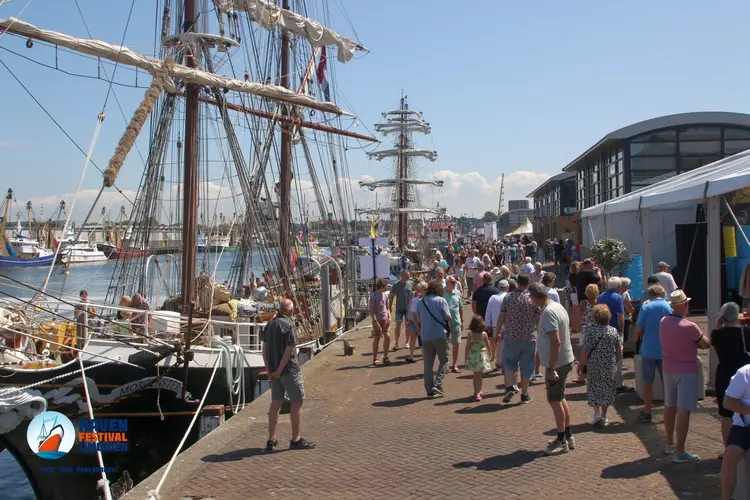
column 190, row 188
column 285, row 184
column 403, row 217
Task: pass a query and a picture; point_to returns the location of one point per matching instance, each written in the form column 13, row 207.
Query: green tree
column 610, row 253
column 489, row 216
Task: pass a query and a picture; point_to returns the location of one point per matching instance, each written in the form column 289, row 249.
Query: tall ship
column 404, row 216
column 239, row 104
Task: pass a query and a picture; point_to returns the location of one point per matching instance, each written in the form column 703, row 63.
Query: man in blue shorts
column 401, row 293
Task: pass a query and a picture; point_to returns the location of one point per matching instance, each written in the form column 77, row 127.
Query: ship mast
column 285, row 160
column 403, row 165
column 500, row 203
column 190, row 186
column 403, row 121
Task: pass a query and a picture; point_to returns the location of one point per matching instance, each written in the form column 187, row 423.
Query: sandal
column 409, row 359
column 375, row 362
column 386, row 362
column 454, row 369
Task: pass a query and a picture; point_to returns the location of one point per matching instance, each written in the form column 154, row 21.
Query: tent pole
column 645, row 216
column 713, row 272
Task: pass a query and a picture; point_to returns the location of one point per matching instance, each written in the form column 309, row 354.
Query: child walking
column 477, row 359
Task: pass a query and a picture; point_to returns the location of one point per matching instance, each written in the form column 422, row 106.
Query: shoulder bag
column 585, row 368
column 446, row 325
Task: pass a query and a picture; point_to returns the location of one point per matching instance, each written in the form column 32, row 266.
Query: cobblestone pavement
column 378, row 436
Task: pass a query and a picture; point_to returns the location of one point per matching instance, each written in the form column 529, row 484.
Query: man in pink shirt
column 680, row 341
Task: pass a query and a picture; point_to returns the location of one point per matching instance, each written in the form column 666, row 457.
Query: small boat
column 114, row 252
column 214, row 244
column 19, row 250
column 78, row 250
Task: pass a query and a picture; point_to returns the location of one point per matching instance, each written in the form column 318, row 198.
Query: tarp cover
column 682, row 191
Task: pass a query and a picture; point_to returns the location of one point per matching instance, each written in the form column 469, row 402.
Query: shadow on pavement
column 612, row 428
column 399, row 380
column 486, row 408
column 396, row 403
column 684, row 479
column 502, row 462
column 467, row 399
column 237, row 455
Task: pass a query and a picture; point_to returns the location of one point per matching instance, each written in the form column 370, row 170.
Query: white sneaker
column 571, row 442
column 597, row 418
column 557, row 448
column 669, row 449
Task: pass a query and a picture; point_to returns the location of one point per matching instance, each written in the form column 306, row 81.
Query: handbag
column 446, row 325
column 585, row 368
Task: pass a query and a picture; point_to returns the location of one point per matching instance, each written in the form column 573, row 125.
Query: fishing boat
column 186, row 342
column 19, row 250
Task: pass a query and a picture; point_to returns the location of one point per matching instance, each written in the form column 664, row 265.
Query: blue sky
column 519, row 88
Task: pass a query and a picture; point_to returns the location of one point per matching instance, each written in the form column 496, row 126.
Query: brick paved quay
column 378, row 436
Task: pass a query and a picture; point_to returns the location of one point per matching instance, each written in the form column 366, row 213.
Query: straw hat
column 678, row 297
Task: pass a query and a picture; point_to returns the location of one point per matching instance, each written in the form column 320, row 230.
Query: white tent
column 644, row 220
column 525, row 228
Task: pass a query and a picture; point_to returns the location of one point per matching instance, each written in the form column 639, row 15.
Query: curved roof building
column 640, row 154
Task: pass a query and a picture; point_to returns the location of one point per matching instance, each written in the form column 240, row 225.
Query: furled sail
column 409, row 125
column 164, row 70
column 385, row 153
column 269, row 16
column 372, row 186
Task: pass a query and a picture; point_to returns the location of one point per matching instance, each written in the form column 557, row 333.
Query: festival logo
column 51, row 435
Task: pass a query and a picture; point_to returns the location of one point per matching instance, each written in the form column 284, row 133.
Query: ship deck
column 378, row 436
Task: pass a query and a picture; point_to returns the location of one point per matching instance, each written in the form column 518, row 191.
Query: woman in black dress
column 731, row 342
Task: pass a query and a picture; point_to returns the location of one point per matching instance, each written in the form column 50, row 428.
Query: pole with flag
column 322, row 74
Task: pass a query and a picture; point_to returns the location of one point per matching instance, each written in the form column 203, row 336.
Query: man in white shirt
column 665, row 279
column 472, row 266
column 490, row 321
column 548, row 280
column 736, row 399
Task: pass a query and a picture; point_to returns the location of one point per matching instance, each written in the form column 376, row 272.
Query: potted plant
column 609, row 254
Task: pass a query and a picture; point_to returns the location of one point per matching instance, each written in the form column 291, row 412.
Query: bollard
column 211, row 417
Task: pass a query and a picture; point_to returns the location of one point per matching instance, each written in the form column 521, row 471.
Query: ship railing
column 246, row 334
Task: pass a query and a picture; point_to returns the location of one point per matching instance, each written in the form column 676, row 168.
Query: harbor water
column 95, row 278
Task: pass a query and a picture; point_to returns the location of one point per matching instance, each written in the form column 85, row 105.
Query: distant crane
column 500, row 203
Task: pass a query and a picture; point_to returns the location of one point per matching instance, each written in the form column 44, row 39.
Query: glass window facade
column 656, row 155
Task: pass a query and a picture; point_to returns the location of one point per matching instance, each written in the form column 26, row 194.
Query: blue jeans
column 431, row 349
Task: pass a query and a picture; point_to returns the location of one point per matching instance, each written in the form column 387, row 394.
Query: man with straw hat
column 680, row 341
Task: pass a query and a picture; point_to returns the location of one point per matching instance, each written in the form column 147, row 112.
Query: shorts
column 739, row 436
column 455, row 335
column 412, row 327
column 290, row 384
column 556, row 390
column 649, row 367
column 400, row 315
column 519, row 353
column 384, row 325
column 681, row 391
column 720, row 391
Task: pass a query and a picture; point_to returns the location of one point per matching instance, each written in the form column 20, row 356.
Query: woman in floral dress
column 585, row 310
column 602, row 350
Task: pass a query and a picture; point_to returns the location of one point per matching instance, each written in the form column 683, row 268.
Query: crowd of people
column 520, row 328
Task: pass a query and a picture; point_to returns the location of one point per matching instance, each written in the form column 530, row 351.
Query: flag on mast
column 322, row 79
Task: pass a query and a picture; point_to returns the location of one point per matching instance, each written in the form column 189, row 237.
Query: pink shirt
column 679, row 345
